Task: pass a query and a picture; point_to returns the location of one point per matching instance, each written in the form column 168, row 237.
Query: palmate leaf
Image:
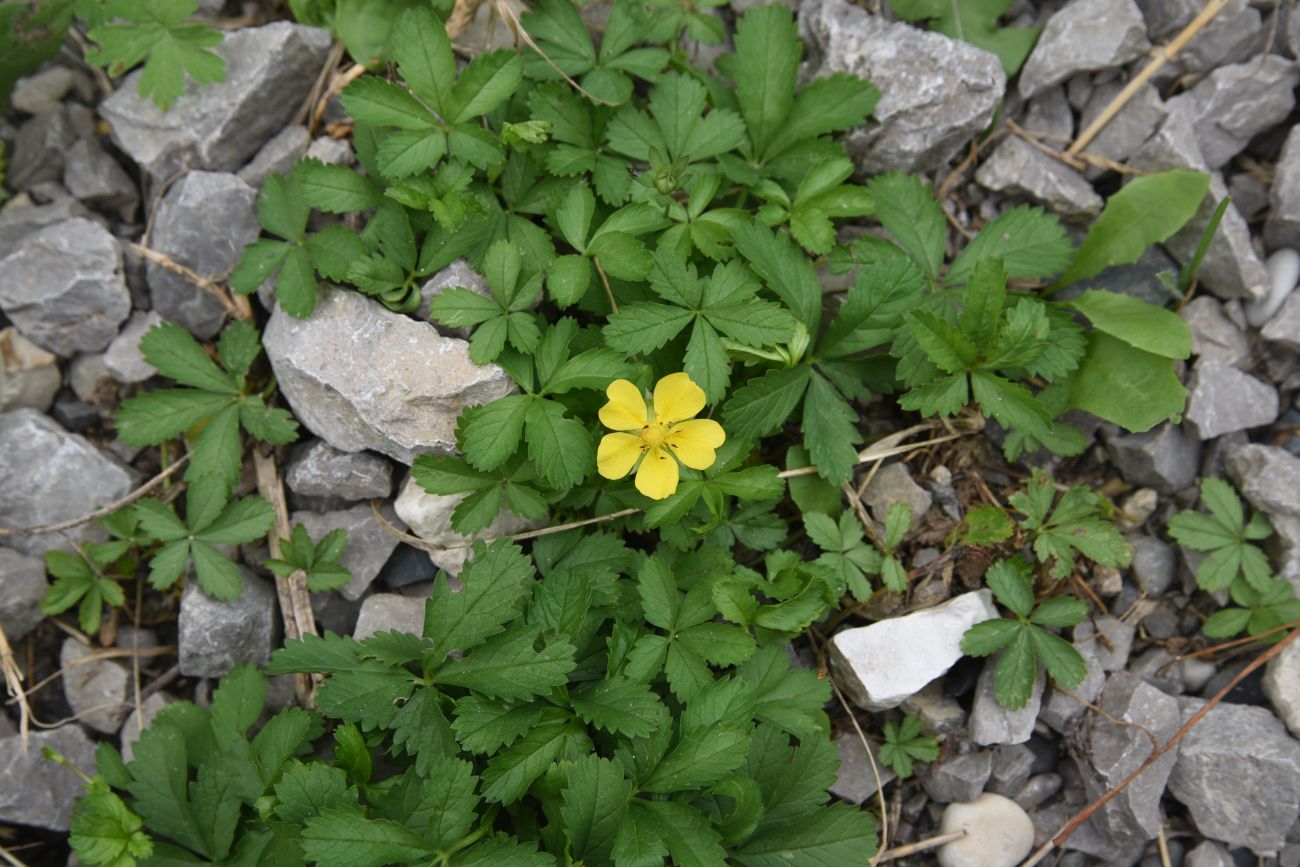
column 157, row 33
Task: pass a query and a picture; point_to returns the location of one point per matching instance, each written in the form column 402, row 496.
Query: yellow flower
column 651, row 436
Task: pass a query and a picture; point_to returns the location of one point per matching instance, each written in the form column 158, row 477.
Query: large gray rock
column 96, row 689
column 990, row 722
column 383, row 612
column 49, row 475
column 21, row 217
column 29, row 376
column 1267, row 476
column 1018, row 168
column 1235, row 34
column 936, row 93
column 1165, row 458
column 1214, row 335
column 217, row 635
column 1282, row 686
column 429, row 517
column 94, row 177
column 882, row 665
column 960, row 778
column 1084, row 36
column 38, row 149
column 321, row 470
column 123, row 358
column 369, row 547
column 1283, row 226
column 22, row 587
column 278, row 156
column 1222, row 399
column 38, row 792
column 1114, row 750
column 270, row 70
column 362, row 377
column 204, row 222
column 63, row 287
column 1231, row 268
column 1234, row 103
column 1238, row 774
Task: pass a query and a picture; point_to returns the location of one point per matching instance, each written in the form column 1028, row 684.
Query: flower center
column 654, row 435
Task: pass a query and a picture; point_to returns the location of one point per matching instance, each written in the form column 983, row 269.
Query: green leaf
column 509, row 668
column 946, row 346
column 1139, row 324
column 484, row 726
column 768, row 51
column 1148, row 210
column 830, row 430
column 1060, row 612
column 1064, row 663
column 559, row 447
column 1010, row 584
column 1016, row 670
column 784, row 268
column 908, row 210
column 765, row 402
column 837, row 835
column 989, row 637
column 336, row 189
column 244, row 520
column 346, row 838
column 490, row 433
column 159, row 776
column 176, row 354
column 1011, row 404
column 1030, row 243
column 595, row 801
column 1124, row 385
column 512, row 771
column 494, row 581
column 105, row 831
column 699, row 759
column 619, row 706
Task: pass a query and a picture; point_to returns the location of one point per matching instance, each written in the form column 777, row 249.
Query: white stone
column 1282, row 686
column 1283, row 274
column 882, row 665
column 999, row 833
column 29, row 376
column 123, row 358
column 429, row 517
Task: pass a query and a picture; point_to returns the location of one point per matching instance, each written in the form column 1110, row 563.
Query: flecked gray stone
column 960, row 778
column 429, row 517
column 1249, row 194
column 1238, row 774
column 1126, row 131
column 96, row 689
column 1016, row 167
column 123, row 358
column 1214, row 335
column 940, row 713
column 1084, row 36
column 1012, row 765
column 94, row 177
column 278, row 156
column 389, row 611
column 1229, row 38
column 1060, row 709
column 1159, row 668
column 1037, row 790
column 1231, row 268
column 269, row 72
column 1267, row 476
column 936, row 92
column 49, row 475
column 1282, row 686
column 458, row 273
column 35, row 791
column 1164, row 458
column 63, row 287
column 1283, row 226
column 893, row 484
column 1222, row 399
column 321, row 470
column 368, row 545
column 29, row 376
column 1154, row 564
column 1111, row 638
column 21, row 216
column 38, row 149
column 1050, row 117
column 1114, row 751
column 138, row 720
column 42, row 91
column 879, row 666
column 204, row 222
column 1234, row 103
column 216, row 635
column 854, row 781
column 22, row 587
column 362, row 377
column 1284, row 326
column 332, row 151
column 990, row 722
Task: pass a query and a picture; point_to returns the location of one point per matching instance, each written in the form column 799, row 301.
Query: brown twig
column 920, row 846
column 337, row 84
column 10, row 858
column 305, row 111
column 130, row 498
column 232, row 303
column 13, row 678
column 604, row 281
column 1088, row 811
column 1162, row 56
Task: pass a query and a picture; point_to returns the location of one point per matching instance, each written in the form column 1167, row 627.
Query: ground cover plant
column 661, row 245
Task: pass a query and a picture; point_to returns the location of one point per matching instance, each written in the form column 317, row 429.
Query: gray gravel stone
column 1164, row 458
column 1267, row 476
column 1214, row 335
column 216, row 635
column 95, row 688
column 1161, row 669
column 389, row 611
column 94, row 177
column 893, row 484
column 34, row 791
column 1012, row 765
column 1282, row 686
column 63, row 287
column 38, row 149
column 1114, row 751
column 29, row 376
column 21, row 217
column 458, row 273
column 881, row 665
column 1238, row 774
column 1209, row 854
column 204, row 222
column 1037, row 790
column 1017, row 168
column 1154, row 564
column 278, row 156
column 1234, row 103
column 321, row 470
column 270, row 70
column 960, row 778
column 369, row 547
column 332, row 151
column 854, row 781
column 1283, row 226
column 1060, row 710
column 991, row 723
column 1111, row 638
column 1050, row 117
column 1126, row 131
column 49, row 475
column 22, row 586
column 1222, row 399
column 936, row 92
column 362, row 377
column 1283, row 327
column 1084, row 36
column 940, row 713
column 42, row 91
column 123, row 358
column 138, row 720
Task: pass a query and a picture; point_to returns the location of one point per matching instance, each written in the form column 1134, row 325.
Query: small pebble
column 1284, row 273
column 998, row 833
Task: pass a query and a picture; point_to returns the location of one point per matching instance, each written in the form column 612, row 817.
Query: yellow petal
column 616, row 454
column 693, row 442
column 657, row 477
column 677, row 398
column 626, row 407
